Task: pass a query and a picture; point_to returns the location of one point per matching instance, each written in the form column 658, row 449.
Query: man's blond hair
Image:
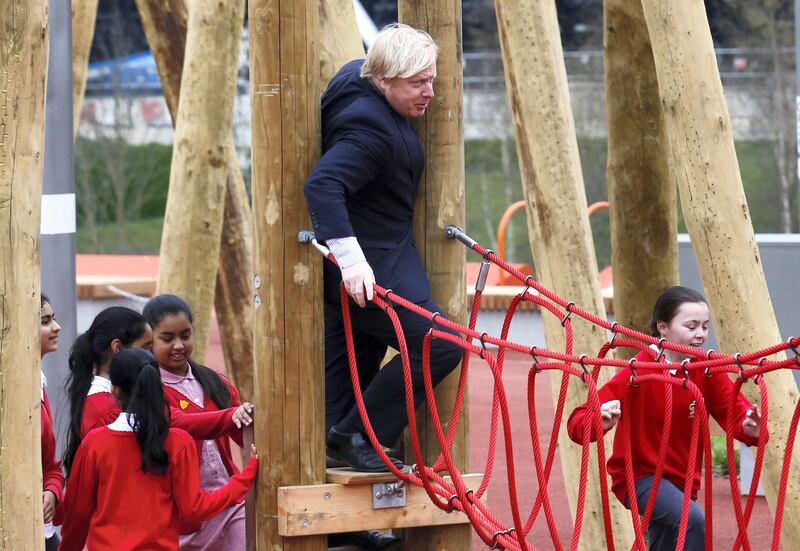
column 399, row 51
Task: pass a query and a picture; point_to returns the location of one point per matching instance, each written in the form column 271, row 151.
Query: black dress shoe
column 371, row 539
column 357, row 452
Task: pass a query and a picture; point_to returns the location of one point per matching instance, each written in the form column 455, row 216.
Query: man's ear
column 116, row 346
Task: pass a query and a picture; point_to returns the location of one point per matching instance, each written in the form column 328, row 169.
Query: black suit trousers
column 383, row 388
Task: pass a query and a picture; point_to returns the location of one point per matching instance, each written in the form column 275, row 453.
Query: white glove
column 358, row 281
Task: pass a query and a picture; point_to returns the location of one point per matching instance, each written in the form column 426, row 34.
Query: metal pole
column 58, row 207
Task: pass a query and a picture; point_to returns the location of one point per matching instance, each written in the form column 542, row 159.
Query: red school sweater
column 645, row 404
column 182, row 403
column 111, row 504
column 52, row 477
column 101, row 409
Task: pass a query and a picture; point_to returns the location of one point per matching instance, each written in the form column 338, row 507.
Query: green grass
column 140, row 237
column 719, row 456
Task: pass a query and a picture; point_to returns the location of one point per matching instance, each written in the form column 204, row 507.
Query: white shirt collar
column 44, row 383
column 99, row 384
column 123, row 423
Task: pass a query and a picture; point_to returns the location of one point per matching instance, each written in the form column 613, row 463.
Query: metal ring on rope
column 685, row 372
column 483, row 345
column 661, row 349
column 535, row 365
column 738, row 358
column 582, row 361
column 495, row 543
column 613, row 334
column 568, row 308
column 634, row 376
column 486, row 253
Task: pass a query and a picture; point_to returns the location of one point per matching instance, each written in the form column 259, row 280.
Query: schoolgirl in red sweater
column 89, row 389
column 133, row 480
column 52, row 477
column 680, row 316
column 194, row 388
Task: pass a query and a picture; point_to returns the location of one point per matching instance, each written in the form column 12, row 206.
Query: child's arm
column 196, row 505
column 609, row 392
column 207, row 425
column 79, row 501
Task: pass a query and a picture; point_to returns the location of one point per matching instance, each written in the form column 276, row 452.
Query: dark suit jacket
column 365, row 184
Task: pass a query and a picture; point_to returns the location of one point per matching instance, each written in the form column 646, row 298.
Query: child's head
column 136, row 384
column 112, row 330
column 681, row 317
column 49, row 328
column 173, row 339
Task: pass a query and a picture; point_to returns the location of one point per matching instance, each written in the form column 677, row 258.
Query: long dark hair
column 668, row 304
column 134, row 371
column 92, row 349
column 213, row 386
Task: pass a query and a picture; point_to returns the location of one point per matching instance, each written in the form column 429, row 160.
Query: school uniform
column 52, row 476
column 111, row 504
column 101, row 408
column 226, row 530
column 646, row 407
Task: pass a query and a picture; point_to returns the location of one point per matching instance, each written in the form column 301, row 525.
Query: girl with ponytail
column 133, row 480
column 194, row 388
column 89, row 388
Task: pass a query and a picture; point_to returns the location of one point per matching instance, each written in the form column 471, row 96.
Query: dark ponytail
column 90, row 350
column 213, row 386
column 668, row 304
column 134, row 372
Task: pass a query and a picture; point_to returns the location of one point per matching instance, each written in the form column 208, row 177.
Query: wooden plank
column 441, row 202
column 558, row 226
column 289, row 374
column 24, row 42
column 347, row 476
column 336, row 508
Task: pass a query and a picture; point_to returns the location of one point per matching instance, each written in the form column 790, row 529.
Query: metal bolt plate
column 388, row 494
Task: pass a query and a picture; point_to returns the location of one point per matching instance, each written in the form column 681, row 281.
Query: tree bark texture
column 195, row 203
column 84, row 16
column 289, row 375
column 441, row 202
column 718, row 219
column 641, row 192
column 165, row 24
column 561, row 239
column 340, row 40
column 24, row 43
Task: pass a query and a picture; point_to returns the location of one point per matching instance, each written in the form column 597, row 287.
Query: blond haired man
column 361, row 198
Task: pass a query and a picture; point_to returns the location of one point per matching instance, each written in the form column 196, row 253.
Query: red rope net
column 453, row 495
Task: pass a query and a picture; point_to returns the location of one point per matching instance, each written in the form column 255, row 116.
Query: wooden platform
column 335, row 507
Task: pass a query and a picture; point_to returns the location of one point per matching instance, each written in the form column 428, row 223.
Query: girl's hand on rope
column 610, row 413
column 358, row 281
column 752, row 422
column 242, row 416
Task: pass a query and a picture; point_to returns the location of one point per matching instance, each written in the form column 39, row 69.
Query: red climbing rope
column 453, row 494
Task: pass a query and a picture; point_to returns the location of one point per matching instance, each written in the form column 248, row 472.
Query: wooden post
column 340, row 41
column 23, row 80
column 561, row 240
column 165, row 26
column 195, row 203
column 289, row 375
column 84, row 16
column 644, row 226
column 716, row 214
column 441, row 202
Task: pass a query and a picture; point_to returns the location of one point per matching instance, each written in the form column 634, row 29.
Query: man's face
column 409, row 96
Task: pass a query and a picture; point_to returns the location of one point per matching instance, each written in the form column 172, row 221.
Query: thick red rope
column 454, row 495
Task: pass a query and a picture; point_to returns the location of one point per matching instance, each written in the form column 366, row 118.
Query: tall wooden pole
column 84, row 16
column 717, row 217
column 644, row 244
column 561, row 240
column 441, row 202
column 340, row 41
column 165, row 23
column 196, row 199
column 23, row 80
column 289, row 376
